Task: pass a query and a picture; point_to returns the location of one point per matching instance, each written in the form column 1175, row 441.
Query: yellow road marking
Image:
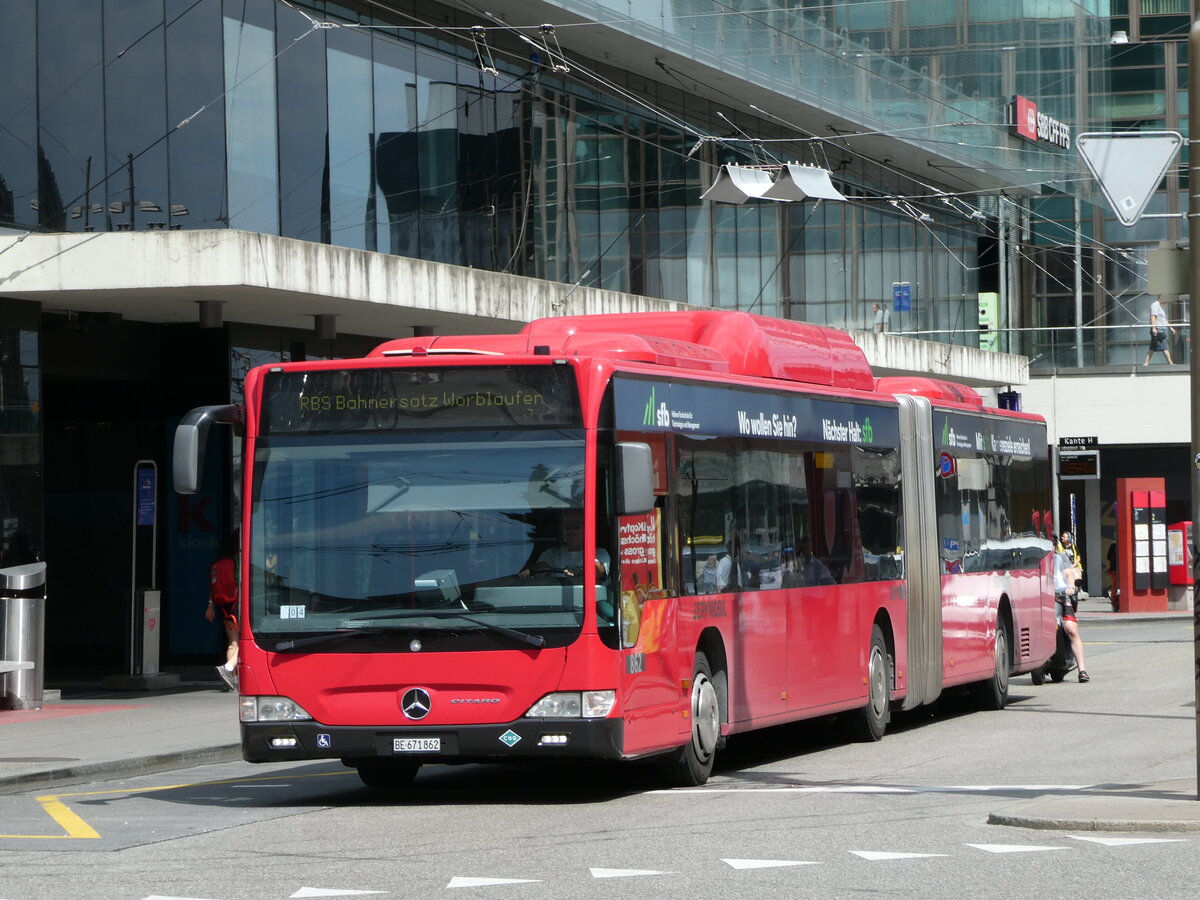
column 77, row 829
column 74, row 826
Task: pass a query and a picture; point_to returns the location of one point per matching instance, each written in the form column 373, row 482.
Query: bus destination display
column 406, row 398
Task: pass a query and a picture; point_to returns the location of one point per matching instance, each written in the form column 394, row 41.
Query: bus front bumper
column 522, row 739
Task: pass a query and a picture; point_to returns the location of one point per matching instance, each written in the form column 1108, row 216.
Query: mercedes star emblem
column 415, row 703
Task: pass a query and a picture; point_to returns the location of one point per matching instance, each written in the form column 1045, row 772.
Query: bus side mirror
column 635, row 478
column 191, row 436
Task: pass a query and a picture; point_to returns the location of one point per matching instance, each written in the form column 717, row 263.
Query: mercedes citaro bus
column 769, row 533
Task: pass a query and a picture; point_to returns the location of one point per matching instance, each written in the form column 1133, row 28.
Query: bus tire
column 871, row 721
column 693, row 763
column 993, row 693
column 387, row 775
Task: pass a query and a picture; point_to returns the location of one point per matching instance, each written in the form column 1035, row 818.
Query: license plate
column 416, row 745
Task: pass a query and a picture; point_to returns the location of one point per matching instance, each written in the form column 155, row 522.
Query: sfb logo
column 663, row 416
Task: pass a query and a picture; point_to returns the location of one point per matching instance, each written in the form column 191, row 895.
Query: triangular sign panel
column 1129, row 166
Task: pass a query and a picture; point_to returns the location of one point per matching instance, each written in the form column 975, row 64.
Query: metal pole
column 1078, row 300
column 1002, row 260
column 1193, row 217
column 132, row 223
column 135, row 620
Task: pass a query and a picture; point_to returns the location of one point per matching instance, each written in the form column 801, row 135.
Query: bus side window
column 877, row 501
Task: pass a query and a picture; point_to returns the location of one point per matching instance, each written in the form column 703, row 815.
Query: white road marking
column 844, row 789
column 883, row 789
column 625, row 873
column 1011, row 848
column 765, row 863
column 1123, row 842
column 877, row 856
column 460, row 882
column 331, row 892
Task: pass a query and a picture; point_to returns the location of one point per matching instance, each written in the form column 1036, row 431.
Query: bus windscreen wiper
column 297, row 643
column 534, row 640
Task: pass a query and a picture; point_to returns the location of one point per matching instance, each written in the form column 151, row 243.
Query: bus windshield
column 374, row 541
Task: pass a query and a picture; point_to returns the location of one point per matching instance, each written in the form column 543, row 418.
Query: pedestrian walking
column 1067, row 581
column 223, row 602
column 1159, row 330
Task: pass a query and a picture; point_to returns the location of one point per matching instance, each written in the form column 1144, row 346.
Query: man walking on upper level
column 1159, row 326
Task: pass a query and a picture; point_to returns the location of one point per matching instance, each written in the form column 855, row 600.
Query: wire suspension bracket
column 483, row 53
column 554, row 55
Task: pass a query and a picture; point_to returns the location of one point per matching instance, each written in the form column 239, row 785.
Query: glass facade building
column 384, row 134
column 575, row 153
column 1138, row 83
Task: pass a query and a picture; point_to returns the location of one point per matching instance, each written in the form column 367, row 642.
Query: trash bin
column 22, row 635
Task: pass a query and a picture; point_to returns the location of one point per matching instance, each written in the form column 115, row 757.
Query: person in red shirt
column 223, row 601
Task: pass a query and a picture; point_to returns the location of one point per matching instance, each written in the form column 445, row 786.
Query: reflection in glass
column 70, row 145
column 351, row 194
column 136, row 117
column 18, row 113
column 395, row 148
column 250, row 127
column 196, row 153
column 303, row 130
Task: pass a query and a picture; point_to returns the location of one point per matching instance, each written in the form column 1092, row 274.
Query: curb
column 1094, row 616
column 1066, row 823
column 119, row 768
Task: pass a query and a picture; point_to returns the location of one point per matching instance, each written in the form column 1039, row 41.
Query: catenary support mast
column 1193, row 218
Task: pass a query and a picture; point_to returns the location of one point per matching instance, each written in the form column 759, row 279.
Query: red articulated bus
column 621, row 536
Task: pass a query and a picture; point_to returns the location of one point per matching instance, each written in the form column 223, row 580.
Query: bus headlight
column 272, row 709
column 574, row 705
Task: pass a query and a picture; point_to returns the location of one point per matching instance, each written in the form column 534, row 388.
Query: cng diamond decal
column 509, row 738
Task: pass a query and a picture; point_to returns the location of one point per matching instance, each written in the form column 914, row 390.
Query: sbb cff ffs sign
column 1036, row 126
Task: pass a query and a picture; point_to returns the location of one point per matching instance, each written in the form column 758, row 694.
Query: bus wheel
column 694, row 762
column 388, row 775
column 870, row 722
column 993, row 693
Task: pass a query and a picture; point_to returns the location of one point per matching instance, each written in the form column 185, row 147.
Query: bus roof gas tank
column 713, row 340
column 933, row 388
column 750, row 344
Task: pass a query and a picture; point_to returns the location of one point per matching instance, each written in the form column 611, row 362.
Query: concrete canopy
column 161, row 277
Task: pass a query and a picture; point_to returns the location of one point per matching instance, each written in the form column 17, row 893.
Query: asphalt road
column 793, row 811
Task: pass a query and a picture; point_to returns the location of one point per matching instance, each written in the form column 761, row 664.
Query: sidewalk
column 1098, row 609
column 1148, row 806
column 93, row 733
column 1159, row 806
